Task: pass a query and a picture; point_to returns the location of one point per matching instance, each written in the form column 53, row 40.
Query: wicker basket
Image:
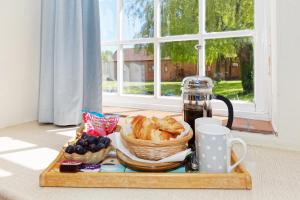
column 150, row 150
column 79, row 131
column 89, row 157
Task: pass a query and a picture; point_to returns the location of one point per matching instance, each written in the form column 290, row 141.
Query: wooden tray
column 150, row 167
column 239, row 179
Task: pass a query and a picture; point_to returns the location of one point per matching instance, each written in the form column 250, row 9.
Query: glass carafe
column 197, row 95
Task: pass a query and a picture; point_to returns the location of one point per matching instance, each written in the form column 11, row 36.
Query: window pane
column 109, row 68
column 138, row 72
column 138, row 19
column 179, row 17
column 108, row 22
column 227, row 15
column 178, row 60
column 229, row 62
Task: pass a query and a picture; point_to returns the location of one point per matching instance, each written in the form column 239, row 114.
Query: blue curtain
column 70, row 74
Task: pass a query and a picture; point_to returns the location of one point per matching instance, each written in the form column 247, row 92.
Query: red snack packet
column 99, row 126
column 107, row 124
column 111, row 123
column 88, row 126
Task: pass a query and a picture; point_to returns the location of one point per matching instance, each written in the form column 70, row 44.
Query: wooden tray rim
column 240, row 179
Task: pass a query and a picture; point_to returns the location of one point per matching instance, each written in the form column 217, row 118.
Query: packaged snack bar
column 111, row 123
column 88, row 126
column 108, row 123
column 97, row 124
column 90, row 167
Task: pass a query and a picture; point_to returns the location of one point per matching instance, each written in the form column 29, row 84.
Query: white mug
column 213, row 148
column 207, row 120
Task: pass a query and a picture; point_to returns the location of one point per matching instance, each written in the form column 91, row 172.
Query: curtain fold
column 70, row 76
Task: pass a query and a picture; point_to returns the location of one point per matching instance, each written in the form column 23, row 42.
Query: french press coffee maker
column 197, row 95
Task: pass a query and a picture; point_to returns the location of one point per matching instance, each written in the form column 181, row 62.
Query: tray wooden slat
column 239, row 179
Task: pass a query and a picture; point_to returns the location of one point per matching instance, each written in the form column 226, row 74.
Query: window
column 148, row 47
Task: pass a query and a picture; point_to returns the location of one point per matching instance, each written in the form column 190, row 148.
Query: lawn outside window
column 147, row 49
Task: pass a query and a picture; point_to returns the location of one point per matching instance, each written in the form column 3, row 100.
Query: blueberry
column 80, row 150
column 100, row 138
column 84, row 150
column 92, row 140
column 84, row 136
column 105, row 141
column 85, row 143
column 100, row 146
column 93, row 148
column 70, row 149
column 80, row 142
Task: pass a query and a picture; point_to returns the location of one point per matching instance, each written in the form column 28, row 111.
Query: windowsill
column 239, row 124
column 253, row 126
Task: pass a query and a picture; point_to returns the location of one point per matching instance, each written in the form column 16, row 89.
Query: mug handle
column 231, row 142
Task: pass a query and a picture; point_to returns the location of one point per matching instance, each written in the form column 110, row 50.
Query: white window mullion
column 120, row 48
column 186, row 37
column 120, row 69
column 157, row 62
column 202, row 69
column 157, row 67
column 157, row 18
column 228, row 34
column 137, row 41
column 177, row 38
column 202, row 10
column 201, row 56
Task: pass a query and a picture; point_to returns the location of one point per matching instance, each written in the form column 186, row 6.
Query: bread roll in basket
column 156, row 150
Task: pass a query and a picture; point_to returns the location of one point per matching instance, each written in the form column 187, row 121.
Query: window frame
column 258, row 109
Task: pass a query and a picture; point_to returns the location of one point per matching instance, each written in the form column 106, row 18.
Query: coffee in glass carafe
column 197, row 95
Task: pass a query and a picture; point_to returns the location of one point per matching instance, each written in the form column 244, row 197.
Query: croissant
column 169, row 124
column 155, row 129
column 137, row 124
column 142, row 127
column 158, row 135
column 147, row 128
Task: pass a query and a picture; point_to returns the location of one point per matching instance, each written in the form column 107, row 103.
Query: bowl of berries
column 88, row 149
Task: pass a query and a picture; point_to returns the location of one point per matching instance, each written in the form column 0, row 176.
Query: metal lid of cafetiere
column 197, row 84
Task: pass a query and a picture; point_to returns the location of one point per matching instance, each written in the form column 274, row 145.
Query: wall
column 273, row 35
column 19, row 60
column 286, row 73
